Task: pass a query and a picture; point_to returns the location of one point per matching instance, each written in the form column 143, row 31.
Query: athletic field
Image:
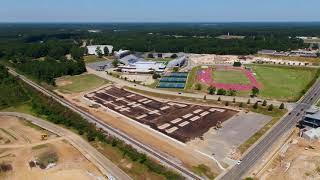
column 275, row 82
column 283, row 83
column 230, row 77
column 79, row 83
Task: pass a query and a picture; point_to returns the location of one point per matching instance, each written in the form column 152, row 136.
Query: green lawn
column 79, row 83
column 278, row 82
column 92, row 59
column 192, row 78
column 230, row 77
column 283, row 83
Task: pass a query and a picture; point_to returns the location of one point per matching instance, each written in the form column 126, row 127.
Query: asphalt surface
column 110, row 130
column 98, row 159
column 288, row 122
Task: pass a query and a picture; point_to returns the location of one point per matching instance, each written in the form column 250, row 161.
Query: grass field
column 80, row 83
column 302, row 59
column 230, row 77
column 192, row 78
column 278, row 82
column 283, row 83
column 92, row 59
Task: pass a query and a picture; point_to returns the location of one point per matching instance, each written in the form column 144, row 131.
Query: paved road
column 99, row 160
column 118, row 81
column 110, row 130
column 287, row 123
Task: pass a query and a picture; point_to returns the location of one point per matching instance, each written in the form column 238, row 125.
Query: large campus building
column 179, row 62
column 121, row 53
column 299, row 53
column 133, row 64
column 92, row 50
column 312, row 118
column 143, row 67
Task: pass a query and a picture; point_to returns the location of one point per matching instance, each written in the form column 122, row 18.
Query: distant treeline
column 46, row 60
column 56, row 40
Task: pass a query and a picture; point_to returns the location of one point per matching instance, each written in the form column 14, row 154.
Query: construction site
column 180, row 121
column 30, row 152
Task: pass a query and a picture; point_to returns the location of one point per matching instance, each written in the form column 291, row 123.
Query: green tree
column 76, row 53
column 156, row 75
column 237, row 64
column 106, row 51
column 221, row 92
column 227, row 103
column 281, row 106
column 175, row 69
column 255, row 106
column 234, row 100
column 270, row 108
column 231, row 92
column 99, row 52
column 264, row 103
column 248, row 102
column 211, row 90
column 255, row 91
column 173, row 56
column 241, row 105
column 198, row 87
column 115, row 63
column 219, row 99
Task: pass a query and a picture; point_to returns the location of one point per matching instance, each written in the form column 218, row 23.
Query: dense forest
column 14, row 92
column 56, row 40
column 11, row 92
column 47, row 51
column 46, row 60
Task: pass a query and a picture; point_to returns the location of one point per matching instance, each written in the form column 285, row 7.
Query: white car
column 239, row 162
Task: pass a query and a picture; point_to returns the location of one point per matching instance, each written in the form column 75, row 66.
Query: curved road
column 99, row 160
column 110, row 130
column 288, row 122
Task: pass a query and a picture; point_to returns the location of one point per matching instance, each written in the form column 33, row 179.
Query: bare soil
column 179, row 152
column 180, row 121
column 27, row 146
column 300, row 161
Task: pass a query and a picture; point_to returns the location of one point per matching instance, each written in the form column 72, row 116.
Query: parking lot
column 180, row 121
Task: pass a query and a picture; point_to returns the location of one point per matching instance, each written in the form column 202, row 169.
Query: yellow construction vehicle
column 44, row 137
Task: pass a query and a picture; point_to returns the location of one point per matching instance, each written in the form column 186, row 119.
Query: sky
column 159, row 10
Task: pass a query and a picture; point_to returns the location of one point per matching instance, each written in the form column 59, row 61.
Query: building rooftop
column 177, row 62
column 130, row 59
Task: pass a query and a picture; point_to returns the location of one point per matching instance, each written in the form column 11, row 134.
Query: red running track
column 205, row 76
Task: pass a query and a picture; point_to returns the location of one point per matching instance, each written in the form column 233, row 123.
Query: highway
column 99, row 160
column 288, row 122
column 110, row 130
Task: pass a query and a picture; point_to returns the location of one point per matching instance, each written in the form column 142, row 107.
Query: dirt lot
column 180, row 121
column 299, row 160
column 179, row 152
column 21, row 144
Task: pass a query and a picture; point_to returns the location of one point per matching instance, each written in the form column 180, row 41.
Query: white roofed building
column 179, row 62
column 143, row 67
column 92, row 50
column 121, row 53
